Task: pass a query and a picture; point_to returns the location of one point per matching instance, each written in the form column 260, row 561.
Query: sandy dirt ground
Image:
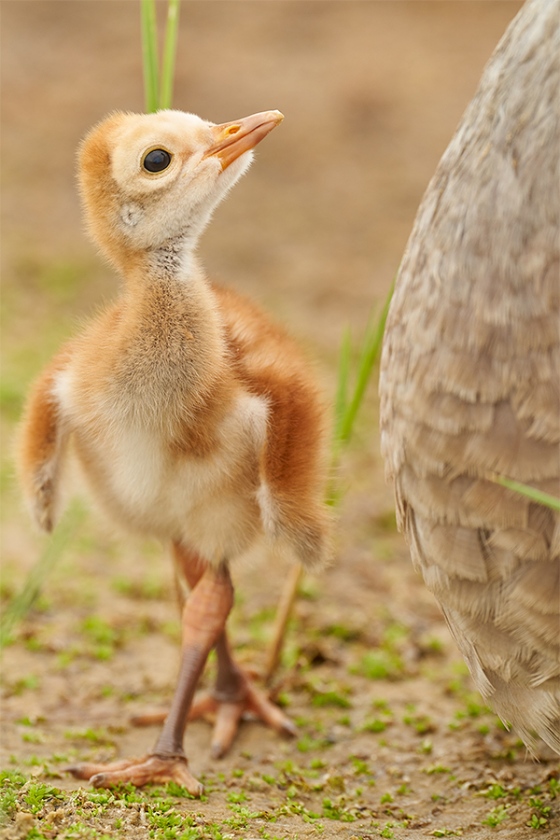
column 393, row 741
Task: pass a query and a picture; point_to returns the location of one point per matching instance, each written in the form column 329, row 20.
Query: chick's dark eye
column 157, row 160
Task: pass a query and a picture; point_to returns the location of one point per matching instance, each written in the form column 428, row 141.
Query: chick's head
column 146, row 179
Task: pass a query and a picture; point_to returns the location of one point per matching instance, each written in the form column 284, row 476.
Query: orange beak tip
column 233, row 139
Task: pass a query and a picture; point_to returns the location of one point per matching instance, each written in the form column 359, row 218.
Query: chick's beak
column 233, row 138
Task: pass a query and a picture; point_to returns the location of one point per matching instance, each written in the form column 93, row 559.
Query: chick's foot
column 226, row 711
column 151, row 769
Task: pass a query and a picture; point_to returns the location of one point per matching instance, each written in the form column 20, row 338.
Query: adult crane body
column 470, row 379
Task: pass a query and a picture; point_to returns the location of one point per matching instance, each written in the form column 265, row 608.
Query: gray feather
column 470, row 379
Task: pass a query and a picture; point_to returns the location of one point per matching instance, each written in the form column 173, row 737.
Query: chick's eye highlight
column 157, row 160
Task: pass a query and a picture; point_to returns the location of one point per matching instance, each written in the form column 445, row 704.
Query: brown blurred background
column 371, row 91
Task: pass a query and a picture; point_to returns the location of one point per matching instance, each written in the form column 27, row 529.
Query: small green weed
column 334, row 811
column 361, row 767
column 94, row 736
column 495, row 792
column 38, row 793
column 10, row 783
column 236, row 798
column 102, row 638
column 426, row 747
column 540, row 818
column 496, row 816
column 331, row 698
column 436, row 768
column 421, row 723
column 537, row 821
column 379, row 665
column 375, row 725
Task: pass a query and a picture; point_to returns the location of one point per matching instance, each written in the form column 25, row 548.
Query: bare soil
column 393, row 741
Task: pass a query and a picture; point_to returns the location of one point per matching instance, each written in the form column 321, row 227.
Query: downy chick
column 193, row 417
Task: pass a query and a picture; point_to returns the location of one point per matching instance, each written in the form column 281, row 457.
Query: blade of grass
column 369, row 355
column 150, row 54
column 340, row 408
column 538, row 496
column 169, row 52
column 53, row 551
column 341, row 398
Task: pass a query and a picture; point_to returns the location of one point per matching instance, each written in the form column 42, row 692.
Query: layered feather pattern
column 470, row 379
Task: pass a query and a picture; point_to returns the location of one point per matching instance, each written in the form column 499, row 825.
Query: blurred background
column 372, row 93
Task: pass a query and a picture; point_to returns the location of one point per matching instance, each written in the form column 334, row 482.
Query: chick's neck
column 171, row 328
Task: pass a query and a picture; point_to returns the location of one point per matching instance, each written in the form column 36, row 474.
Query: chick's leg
column 234, row 694
column 204, row 617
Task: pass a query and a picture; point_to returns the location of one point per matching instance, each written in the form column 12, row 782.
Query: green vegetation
column 54, row 548
column 349, row 397
column 375, row 725
column 496, row 816
column 314, row 792
column 159, row 94
column 379, row 665
column 532, row 493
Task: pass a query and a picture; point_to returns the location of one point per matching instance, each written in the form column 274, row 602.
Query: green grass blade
column 369, row 355
column 169, row 52
column 341, row 398
column 345, row 410
column 532, row 493
column 150, row 54
column 53, row 551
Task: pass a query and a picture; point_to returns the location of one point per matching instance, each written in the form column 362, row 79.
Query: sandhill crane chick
column 193, row 417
